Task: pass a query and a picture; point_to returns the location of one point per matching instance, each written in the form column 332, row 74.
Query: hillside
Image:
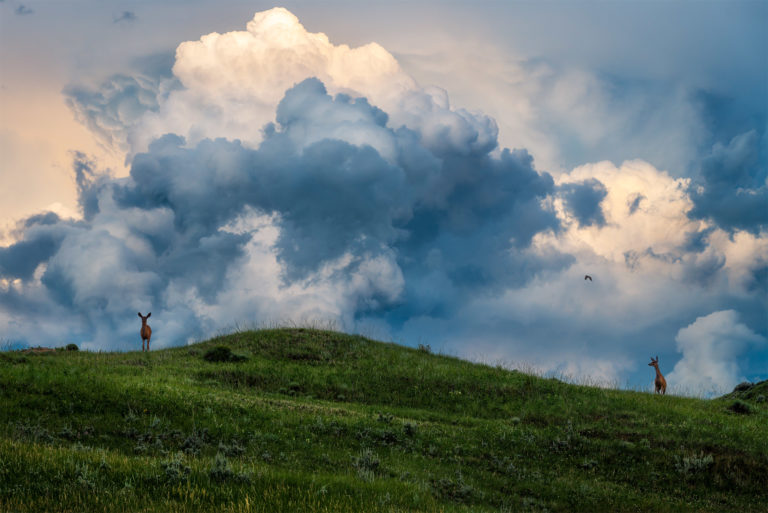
column 308, row 420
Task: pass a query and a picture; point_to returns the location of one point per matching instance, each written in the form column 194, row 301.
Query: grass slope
column 321, row 421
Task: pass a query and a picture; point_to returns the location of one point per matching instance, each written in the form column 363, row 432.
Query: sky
column 442, row 173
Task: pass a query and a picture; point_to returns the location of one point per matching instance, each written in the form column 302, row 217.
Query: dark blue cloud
column 634, row 202
column 698, row 241
column 125, row 16
column 456, row 221
column 23, row 10
column 731, row 187
column 22, row 258
column 583, row 200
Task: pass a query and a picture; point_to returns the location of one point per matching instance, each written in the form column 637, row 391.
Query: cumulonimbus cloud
column 360, row 213
column 276, row 176
column 228, row 85
column 712, row 347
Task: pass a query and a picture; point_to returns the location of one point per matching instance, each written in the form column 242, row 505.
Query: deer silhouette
column 146, row 331
column 660, row 383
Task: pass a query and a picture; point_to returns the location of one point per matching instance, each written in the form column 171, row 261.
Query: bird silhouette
column 588, row 277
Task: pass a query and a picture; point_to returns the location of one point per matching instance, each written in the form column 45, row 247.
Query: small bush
column 222, row 354
column 233, row 450
column 175, row 471
column 740, row 407
column 367, row 464
column 195, row 441
column 221, row 471
column 71, row 347
column 694, row 464
column 455, row 490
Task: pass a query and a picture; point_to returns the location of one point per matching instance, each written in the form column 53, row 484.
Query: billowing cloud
column 713, row 347
column 734, row 189
column 583, row 201
column 652, row 266
column 350, row 216
column 275, row 175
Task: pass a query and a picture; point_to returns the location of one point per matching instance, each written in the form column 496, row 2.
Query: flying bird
column 588, row 277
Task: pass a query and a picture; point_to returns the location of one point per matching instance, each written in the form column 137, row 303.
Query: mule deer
column 146, row 331
column 660, row 382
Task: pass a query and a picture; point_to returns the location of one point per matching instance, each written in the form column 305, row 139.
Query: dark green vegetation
column 320, row 421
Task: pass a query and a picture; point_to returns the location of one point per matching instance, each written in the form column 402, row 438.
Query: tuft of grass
column 740, row 407
column 222, row 354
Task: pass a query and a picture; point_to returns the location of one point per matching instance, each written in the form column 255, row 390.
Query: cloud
column 652, row 266
column 228, row 85
column 276, row 175
column 733, row 191
column 23, row 10
column 351, row 217
column 125, row 16
column 120, row 103
column 713, row 347
column 583, row 201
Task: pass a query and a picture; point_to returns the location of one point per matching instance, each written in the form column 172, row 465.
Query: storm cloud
column 350, row 199
column 277, row 176
column 732, row 190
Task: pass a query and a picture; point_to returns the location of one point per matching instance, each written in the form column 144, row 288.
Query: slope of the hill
column 313, row 420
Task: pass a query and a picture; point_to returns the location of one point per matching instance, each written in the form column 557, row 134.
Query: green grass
column 309, row 420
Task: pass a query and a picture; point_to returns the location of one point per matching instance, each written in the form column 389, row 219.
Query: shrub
column 71, row 347
column 233, row 450
column 222, row 354
column 367, row 465
column 175, row 470
column 195, row 441
column 221, row 471
column 694, row 464
column 455, row 490
column 740, row 407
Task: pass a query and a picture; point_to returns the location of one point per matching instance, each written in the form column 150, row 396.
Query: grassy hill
column 308, row 420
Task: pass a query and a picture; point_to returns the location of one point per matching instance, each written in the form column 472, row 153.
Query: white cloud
column 567, row 115
column 232, row 82
column 228, row 85
column 712, row 347
column 646, row 277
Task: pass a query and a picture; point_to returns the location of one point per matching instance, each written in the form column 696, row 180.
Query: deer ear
column 148, row 315
column 139, row 314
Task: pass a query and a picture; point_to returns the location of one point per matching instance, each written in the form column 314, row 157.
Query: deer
column 146, row 331
column 660, row 383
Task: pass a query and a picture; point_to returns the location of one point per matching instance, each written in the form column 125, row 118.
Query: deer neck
column 658, row 372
